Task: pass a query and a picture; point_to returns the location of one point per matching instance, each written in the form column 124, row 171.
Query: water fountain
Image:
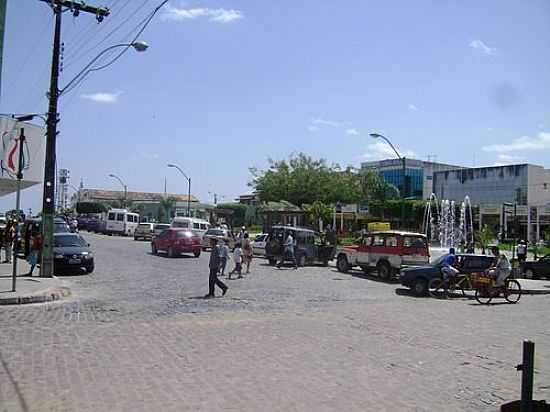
column 440, row 223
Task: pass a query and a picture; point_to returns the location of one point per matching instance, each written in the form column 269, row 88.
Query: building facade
column 418, row 179
column 520, row 192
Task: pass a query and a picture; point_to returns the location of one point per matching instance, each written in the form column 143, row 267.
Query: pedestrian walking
column 224, row 256
column 247, row 252
column 9, row 236
column 522, row 251
column 288, row 251
column 237, row 258
column 214, row 266
column 35, row 251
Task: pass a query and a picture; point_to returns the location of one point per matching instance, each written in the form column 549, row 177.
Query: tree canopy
column 304, row 180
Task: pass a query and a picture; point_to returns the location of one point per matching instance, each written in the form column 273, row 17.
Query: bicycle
column 487, row 290
column 443, row 288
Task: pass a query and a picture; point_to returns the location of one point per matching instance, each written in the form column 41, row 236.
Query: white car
column 258, row 245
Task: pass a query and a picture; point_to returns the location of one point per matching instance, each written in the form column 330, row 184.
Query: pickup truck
column 385, row 252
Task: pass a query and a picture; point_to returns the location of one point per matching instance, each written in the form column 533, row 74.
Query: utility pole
column 48, row 204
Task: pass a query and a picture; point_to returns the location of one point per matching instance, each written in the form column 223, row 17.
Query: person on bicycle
column 449, row 261
column 501, row 267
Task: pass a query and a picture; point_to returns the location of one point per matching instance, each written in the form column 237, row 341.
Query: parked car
column 384, row 252
column 159, row 228
column 144, row 231
column 537, row 268
column 309, row 247
column 175, row 241
column 72, row 252
column 35, row 224
column 218, row 233
column 258, row 245
column 417, row 278
column 199, row 226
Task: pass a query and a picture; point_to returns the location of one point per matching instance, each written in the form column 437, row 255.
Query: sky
column 227, row 84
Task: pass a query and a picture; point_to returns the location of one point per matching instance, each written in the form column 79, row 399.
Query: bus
column 199, row 226
column 121, row 222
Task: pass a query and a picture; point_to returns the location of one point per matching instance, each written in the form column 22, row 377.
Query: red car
column 175, row 241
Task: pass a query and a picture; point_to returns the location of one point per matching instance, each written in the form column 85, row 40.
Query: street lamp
column 123, row 185
column 48, row 206
column 402, row 158
column 189, row 187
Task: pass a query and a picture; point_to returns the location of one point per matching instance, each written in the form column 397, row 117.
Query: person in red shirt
column 36, row 249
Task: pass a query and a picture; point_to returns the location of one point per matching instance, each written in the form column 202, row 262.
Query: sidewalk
column 29, row 289
column 534, row 287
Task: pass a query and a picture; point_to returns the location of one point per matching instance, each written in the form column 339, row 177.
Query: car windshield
column 69, row 241
column 161, row 227
column 215, row 232
column 184, row 233
column 145, row 225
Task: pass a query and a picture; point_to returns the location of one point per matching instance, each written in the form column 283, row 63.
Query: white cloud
column 522, row 144
column 323, row 122
column 102, row 97
column 479, row 45
column 213, row 15
column 313, row 128
column 412, row 107
column 381, row 150
column 352, row 132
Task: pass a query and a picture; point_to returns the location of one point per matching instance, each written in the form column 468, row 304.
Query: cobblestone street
column 136, row 335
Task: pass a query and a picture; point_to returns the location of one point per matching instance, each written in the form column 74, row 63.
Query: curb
column 535, row 292
column 48, row 295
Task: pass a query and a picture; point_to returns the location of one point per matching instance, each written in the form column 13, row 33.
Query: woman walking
column 36, row 249
column 247, row 252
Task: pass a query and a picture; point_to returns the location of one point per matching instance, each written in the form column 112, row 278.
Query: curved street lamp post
column 123, row 185
column 403, row 169
column 48, row 206
column 189, row 187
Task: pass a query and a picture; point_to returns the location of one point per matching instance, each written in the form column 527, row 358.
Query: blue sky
column 227, row 84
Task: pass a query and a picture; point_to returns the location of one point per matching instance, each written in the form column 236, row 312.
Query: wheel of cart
column 486, row 289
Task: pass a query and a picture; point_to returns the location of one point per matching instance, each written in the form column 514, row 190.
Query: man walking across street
column 224, row 255
column 288, row 251
column 214, row 266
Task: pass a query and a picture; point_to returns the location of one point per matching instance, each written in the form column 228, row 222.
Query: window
column 120, row 217
column 317, row 240
column 378, row 240
column 416, row 242
column 111, row 216
column 203, row 226
column 367, row 240
column 391, row 241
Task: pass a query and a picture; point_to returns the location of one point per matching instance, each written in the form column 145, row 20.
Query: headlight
column 87, row 255
column 58, row 256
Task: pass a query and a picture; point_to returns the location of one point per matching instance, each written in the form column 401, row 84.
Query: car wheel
column 384, row 270
column 136, row 238
column 89, row 269
column 171, row 252
column 197, row 253
column 420, row 287
column 529, row 274
column 272, row 261
column 302, row 260
column 342, row 264
column 154, row 249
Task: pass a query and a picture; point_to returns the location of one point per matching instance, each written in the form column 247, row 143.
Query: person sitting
column 448, row 269
column 501, row 267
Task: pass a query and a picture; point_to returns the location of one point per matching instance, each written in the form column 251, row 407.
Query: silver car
column 144, row 231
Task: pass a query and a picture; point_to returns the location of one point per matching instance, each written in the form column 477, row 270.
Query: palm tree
column 167, row 204
column 319, row 212
column 484, row 236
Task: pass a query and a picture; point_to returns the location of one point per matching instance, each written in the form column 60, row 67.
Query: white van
column 121, row 222
column 199, row 226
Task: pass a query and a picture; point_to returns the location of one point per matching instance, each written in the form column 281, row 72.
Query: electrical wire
column 81, row 52
column 79, row 77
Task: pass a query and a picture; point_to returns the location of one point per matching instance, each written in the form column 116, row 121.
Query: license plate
column 74, row 261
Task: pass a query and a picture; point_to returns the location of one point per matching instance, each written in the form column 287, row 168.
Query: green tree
column 167, row 204
column 484, row 236
column 319, row 212
column 239, row 212
column 90, row 207
column 303, row 180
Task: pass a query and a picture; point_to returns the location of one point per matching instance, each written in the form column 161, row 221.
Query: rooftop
column 107, row 195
